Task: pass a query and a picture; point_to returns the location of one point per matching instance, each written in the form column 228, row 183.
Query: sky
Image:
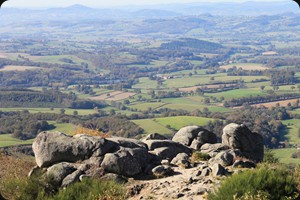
column 103, row 3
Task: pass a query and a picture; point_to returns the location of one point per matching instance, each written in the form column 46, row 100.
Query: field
column 8, row 140
column 151, row 126
column 285, row 154
column 48, row 110
column 159, row 125
column 293, row 126
column 113, row 96
column 18, row 68
column 273, row 104
column 245, row 66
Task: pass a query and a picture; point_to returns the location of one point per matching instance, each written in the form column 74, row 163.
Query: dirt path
column 184, row 185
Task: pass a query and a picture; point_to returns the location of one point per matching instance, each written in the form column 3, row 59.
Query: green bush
column 90, row 189
column 273, row 182
column 39, row 188
column 269, row 156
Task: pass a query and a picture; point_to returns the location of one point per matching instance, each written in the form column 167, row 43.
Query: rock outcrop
column 69, row 159
column 240, row 137
column 194, row 137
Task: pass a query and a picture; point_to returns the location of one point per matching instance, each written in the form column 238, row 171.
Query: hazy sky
column 103, row 3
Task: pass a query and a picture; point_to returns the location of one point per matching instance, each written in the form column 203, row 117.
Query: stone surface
column 224, row 158
column 127, row 162
column 128, row 142
column 54, row 147
column 154, row 136
column 162, row 171
column 194, row 136
column 181, row 159
column 59, row 171
column 240, row 137
column 114, row 177
column 71, row 178
column 167, row 152
column 218, row 170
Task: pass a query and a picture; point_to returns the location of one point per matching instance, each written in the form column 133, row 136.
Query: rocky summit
column 171, row 168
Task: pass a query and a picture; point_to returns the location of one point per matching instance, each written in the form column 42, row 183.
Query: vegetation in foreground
column 15, row 185
column 267, row 181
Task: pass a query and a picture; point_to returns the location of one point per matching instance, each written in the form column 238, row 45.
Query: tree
column 62, row 111
column 262, row 87
column 75, row 112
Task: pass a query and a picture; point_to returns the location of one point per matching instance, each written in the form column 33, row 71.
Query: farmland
column 151, row 74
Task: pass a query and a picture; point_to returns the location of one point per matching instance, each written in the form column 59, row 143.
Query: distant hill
column 80, row 12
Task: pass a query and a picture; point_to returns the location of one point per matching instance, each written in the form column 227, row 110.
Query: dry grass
column 14, row 168
column 245, row 66
column 91, row 132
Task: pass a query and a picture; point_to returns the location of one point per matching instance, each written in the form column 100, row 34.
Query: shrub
column 269, row 157
column 271, row 182
column 43, row 189
column 198, row 156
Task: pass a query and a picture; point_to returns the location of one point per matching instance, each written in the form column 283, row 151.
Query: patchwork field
column 245, row 66
column 274, row 103
column 113, row 96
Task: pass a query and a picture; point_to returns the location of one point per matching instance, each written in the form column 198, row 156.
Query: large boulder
column 128, row 142
column 60, row 171
column 167, row 149
column 194, row 136
column 240, row 137
column 127, row 162
column 54, row 147
column 154, row 136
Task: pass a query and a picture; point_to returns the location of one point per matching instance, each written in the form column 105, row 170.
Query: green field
column 285, row 154
column 293, row 126
column 63, row 127
column 179, row 122
column 146, row 106
column 151, row 126
column 8, row 140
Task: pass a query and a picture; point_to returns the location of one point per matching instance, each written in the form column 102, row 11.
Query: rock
column 35, row 171
column 154, row 136
column 205, row 172
column 177, row 195
column 218, row 170
column 71, row 178
column 240, row 137
column 218, row 147
column 128, row 142
column 59, row 171
column 1, row 197
column 166, row 153
column 224, row 158
column 182, row 159
column 243, row 164
column 54, row 147
column 167, row 149
column 114, row 177
column 194, row 136
column 162, row 171
column 201, row 191
column 127, row 162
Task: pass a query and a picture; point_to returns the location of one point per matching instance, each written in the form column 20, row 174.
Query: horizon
column 114, row 3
